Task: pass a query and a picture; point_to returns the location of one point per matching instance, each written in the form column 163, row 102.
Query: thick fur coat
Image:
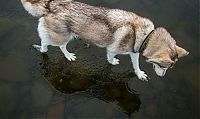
column 119, row 31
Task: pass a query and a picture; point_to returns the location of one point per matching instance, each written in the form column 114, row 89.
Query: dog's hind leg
column 111, row 58
column 68, row 55
column 54, row 32
column 43, row 48
column 44, row 36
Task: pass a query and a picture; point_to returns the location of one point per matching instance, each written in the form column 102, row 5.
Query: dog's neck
column 144, row 43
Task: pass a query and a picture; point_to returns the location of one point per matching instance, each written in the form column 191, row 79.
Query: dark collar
column 145, row 42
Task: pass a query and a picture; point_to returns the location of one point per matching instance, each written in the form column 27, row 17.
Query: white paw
column 115, row 61
column 40, row 48
column 71, row 57
column 37, row 47
column 141, row 75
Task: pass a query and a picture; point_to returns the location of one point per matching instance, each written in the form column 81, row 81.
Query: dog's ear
column 181, row 52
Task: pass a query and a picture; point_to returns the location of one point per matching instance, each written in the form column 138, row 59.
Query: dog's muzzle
column 159, row 71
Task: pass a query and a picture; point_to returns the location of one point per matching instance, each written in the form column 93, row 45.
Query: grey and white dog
column 119, row 31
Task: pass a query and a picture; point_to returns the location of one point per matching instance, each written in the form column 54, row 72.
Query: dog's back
column 89, row 22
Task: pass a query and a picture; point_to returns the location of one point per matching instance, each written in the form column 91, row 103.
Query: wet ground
column 34, row 85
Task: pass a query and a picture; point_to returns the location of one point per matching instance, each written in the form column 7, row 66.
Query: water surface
column 34, row 85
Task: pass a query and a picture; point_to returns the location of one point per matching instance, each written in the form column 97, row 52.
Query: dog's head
column 162, row 51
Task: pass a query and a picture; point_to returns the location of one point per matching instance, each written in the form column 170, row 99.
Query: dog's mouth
column 159, row 71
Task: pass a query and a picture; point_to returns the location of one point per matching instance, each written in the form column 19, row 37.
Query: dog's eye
column 161, row 66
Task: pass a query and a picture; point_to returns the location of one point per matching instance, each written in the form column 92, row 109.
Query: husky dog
column 119, row 31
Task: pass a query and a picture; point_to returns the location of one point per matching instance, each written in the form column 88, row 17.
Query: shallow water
column 34, row 85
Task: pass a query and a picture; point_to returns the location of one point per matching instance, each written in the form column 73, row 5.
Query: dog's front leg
column 135, row 60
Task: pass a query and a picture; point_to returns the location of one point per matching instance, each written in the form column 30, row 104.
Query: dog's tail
column 39, row 8
column 36, row 8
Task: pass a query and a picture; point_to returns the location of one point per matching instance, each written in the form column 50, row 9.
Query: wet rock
column 111, row 2
column 7, row 100
column 56, row 111
column 151, row 110
column 41, row 97
column 13, row 67
column 92, row 108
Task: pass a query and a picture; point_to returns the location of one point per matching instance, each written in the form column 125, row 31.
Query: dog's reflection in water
column 70, row 78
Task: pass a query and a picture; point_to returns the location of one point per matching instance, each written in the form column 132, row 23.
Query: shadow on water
column 104, row 85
